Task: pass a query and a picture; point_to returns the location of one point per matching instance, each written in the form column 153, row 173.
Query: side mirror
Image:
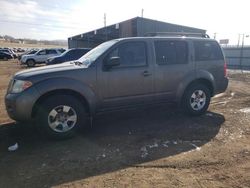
column 112, row 62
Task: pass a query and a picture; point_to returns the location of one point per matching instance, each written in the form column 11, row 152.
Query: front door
column 131, row 82
column 41, row 56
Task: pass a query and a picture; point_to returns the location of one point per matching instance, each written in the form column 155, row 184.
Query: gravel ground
column 156, row 147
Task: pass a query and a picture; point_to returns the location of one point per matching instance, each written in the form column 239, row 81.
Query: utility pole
column 241, row 52
column 142, row 11
column 104, row 19
column 105, row 26
column 242, row 48
column 238, row 41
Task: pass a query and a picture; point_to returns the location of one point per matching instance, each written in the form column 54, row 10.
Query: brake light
column 225, row 69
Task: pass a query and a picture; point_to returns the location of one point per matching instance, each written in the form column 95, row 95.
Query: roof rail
column 177, row 34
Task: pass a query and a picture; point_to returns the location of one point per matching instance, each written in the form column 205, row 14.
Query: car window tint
column 69, row 53
column 171, row 52
column 51, row 52
column 42, row 52
column 130, row 54
column 61, row 50
column 207, row 50
column 79, row 53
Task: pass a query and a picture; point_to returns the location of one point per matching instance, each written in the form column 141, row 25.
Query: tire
column 196, row 99
column 61, row 116
column 5, row 59
column 30, row 63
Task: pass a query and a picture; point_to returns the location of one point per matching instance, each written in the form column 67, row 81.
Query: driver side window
column 131, row 54
column 43, row 52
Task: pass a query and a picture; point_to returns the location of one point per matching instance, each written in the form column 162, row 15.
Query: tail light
column 225, row 69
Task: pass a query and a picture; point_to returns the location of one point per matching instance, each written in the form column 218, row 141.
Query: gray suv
column 118, row 74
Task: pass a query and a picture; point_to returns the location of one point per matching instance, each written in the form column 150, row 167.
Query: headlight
column 19, row 86
column 23, row 58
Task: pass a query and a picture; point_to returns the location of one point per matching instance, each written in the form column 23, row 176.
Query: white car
column 39, row 57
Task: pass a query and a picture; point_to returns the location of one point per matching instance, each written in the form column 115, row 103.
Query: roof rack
column 177, row 34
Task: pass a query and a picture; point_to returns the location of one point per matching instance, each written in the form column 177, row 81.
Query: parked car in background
column 69, row 55
column 39, row 57
column 119, row 74
column 61, row 50
column 20, row 50
column 29, row 52
column 5, row 56
column 11, row 52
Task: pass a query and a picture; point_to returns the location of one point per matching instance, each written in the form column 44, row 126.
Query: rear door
column 173, row 64
column 130, row 83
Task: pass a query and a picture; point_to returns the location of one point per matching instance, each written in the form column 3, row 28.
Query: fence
column 237, row 57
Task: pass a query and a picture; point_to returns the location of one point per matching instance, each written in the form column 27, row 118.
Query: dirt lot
column 158, row 147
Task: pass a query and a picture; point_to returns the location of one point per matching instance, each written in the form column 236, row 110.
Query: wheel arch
column 204, row 81
column 70, row 92
column 30, row 59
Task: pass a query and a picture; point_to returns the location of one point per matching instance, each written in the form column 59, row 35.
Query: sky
column 60, row 19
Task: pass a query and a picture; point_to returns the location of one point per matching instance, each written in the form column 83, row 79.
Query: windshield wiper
column 78, row 63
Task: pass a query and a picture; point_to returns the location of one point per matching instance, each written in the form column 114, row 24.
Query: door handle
column 146, row 73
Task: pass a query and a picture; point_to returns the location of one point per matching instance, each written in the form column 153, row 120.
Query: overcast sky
column 60, row 19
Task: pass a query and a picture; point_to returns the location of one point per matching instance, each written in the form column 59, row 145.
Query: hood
column 51, row 70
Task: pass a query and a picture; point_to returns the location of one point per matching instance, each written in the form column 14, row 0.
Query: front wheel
column 196, row 99
column 31, row 63
column 60, row 116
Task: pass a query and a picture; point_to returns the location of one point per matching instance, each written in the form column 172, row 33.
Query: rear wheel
column 5, row 59
column 196, row 99
column 60, row 116
column 31, row 63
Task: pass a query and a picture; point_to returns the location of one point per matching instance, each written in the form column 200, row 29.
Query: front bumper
column 19, row 106
column 22, row 62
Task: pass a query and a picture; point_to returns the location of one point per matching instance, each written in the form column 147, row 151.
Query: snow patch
column 196, row 147
column 209, row 114
column 175, row 142
column 165, row 144
column 245, row 110
column 144, row 152
column 155, row 145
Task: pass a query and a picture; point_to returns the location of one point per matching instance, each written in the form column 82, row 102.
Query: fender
column 193, row 77
column 68, row 84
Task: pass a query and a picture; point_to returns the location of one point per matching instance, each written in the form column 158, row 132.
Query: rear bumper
column 221, row 86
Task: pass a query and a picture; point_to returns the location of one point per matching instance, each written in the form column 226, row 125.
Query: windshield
column 93, row 54
column 65, row 52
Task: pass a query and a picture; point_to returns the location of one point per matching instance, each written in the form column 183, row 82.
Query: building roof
column 135, row 27
column 140, row 20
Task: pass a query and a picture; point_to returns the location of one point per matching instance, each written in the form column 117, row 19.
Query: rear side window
column 171, row 52
column 207, row 50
